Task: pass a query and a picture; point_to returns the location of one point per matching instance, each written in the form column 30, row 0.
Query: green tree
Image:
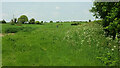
column 15, row 20
column 89, row 20
column 41, row 22
column 32, row 21
column 12, row 22
column 22, row 19
column 51, row 21
column 37, row 22
column 109, row 13
column 3, row 21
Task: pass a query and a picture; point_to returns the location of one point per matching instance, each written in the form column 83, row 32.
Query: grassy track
column 46, row 45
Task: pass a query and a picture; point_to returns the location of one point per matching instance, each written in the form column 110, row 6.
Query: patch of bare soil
column 10, row 33
column 1, row 35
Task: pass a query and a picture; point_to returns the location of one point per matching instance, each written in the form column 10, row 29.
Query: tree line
column 23, row 19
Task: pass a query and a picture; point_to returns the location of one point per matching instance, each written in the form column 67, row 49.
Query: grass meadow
column 47, row 45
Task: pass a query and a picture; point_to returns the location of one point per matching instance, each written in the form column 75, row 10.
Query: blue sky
column 46, row 11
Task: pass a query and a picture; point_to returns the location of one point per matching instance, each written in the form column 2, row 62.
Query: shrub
column 41, row 22
column 37, row 22
column 12, row 22
column 77, row 23
column 17, row 29
column 32, row 21
column 89, row 20
column 15, row 20
column 51, row 21
column 11, row 30
column 3, row 21
column 57, row 22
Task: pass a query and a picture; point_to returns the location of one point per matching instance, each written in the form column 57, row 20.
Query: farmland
column 65, row 45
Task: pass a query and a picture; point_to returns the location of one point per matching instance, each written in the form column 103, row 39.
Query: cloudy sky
column 47, row 0
column 47, row 11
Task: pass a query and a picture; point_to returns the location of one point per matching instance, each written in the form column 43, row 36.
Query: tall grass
column 66, row 45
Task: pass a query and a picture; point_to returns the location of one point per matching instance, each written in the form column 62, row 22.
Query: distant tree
column 22, row 19
column 12, row 22
column 37, row 22
column 3, row 21
column 57, row 22
column 51, row 21
column 32, row 21
column 45, row 22
column 89, row 20
column 41, row 22
column 15, row 20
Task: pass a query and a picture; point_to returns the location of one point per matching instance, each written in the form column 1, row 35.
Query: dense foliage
column 12, row 22
column 37, row 22
column 17, row 29
column 22, row 19
column 41, row 22
column 3, row 21
column 32, row 21
column 51, row 21
column 15, row 20
column 109, row 12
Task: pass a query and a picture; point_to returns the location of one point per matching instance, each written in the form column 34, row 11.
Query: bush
column 11, row 30
column 12, row 22
column 57, row 22
column 3, row 21
column 17, row 29
column 15, row 20
column 32, row 21
column 37, row 22
column 51, row 21
column 41, row 22
column 89, row 20
column 77, row 23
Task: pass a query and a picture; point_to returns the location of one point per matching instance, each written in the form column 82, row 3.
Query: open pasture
column 65, row 45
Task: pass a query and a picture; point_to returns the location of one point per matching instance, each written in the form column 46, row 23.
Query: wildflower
column 114, row 46
column 82, row 41
column 97, row 44
column 112, row 49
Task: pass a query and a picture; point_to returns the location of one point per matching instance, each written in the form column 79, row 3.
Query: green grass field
column 47, row 45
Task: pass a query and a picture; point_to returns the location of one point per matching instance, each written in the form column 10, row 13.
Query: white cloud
column 57, row 8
